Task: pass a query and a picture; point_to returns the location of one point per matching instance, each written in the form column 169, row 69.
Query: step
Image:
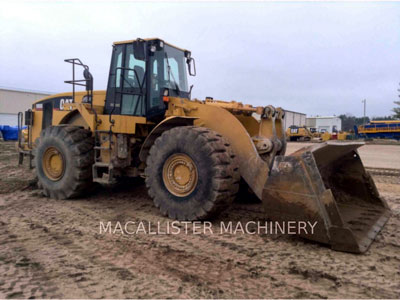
column 104, row 180
column 101, row 165
column 101, row 148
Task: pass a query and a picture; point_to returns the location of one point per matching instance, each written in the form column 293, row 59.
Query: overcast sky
column 313, row 57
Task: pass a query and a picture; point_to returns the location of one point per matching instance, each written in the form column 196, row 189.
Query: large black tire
column 75, row 145
column 217, row 173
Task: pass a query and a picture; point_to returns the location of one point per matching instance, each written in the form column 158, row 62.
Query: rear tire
column 63, row 161
column 212, row 177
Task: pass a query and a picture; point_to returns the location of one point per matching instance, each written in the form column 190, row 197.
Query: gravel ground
column 52, row 248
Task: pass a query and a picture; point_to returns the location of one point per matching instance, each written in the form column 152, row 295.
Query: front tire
column 191, row 173
column 63, row 161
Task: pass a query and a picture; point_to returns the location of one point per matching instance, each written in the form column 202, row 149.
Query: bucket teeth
column 327, row 183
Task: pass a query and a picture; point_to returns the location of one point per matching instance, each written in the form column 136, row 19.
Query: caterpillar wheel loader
column 192, row 153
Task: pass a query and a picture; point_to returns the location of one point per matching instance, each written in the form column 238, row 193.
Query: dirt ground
column 53, row 248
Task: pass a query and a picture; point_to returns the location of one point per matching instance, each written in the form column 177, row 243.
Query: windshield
column 169, row 69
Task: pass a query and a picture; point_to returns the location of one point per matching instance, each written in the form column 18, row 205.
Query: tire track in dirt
column 116, row 245
column 241, row 248
column 169, row 264
column 52, row 248
column 378, row 290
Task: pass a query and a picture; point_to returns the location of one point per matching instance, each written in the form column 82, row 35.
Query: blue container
column 10, row 133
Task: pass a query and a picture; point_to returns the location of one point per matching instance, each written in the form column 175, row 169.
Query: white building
column 291, row 118
column 13, row 101
column 294, row 118
column 321, row 124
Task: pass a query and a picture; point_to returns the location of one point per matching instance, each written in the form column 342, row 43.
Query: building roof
column 25, row 90
column 150, row 39
column 323, row 117
column 295, row 112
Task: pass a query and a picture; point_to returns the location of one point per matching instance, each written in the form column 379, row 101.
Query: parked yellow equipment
column 342, row 136
column 315, row 133
column 326, row 136
column 298, row 133
column 192, row 153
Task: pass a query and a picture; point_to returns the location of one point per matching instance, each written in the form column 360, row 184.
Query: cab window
column 134, row 74
column 133, row 101
column 132, row 105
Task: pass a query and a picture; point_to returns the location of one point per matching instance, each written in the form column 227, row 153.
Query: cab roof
column 148, row 40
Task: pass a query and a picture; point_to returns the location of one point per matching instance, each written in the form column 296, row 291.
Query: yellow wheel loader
column 192, row 153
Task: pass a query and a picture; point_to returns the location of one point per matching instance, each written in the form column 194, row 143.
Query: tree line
column 349, row 121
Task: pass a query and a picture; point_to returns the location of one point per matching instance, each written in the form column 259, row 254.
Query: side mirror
column 191, row 66
column 139, row 49
column 89, row 79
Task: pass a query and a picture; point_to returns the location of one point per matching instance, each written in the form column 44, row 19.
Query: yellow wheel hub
column 53, row 163
column 180, row 175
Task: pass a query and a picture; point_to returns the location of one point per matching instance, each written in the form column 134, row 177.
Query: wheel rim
column 53, row 163
column 180, row 175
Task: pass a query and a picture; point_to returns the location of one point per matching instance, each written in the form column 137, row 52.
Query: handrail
column 89, row 89
column 20, row 125
column 375, row 128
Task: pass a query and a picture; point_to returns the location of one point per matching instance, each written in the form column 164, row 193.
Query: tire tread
column 225, row 182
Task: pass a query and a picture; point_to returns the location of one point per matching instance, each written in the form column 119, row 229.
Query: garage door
column 8, row 119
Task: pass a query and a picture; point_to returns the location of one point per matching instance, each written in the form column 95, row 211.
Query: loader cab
column 143, row 73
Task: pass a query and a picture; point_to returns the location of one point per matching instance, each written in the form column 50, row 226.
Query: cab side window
column 116, row 73
column 133, row 103
column 134, row 75
column 171, row 67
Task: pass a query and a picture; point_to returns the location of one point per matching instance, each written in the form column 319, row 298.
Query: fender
column 74, row 118
column 166, row 124
column 252, row 167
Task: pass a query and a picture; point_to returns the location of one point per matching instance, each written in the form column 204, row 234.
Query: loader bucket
column 327, row 183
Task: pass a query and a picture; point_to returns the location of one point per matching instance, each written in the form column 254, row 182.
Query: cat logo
column 63, row 101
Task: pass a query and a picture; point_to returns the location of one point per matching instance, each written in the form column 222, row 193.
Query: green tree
column 384, row 118
column 396, row 110
column 349, row 121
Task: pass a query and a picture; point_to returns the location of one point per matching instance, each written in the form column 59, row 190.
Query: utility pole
column 365, row 109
